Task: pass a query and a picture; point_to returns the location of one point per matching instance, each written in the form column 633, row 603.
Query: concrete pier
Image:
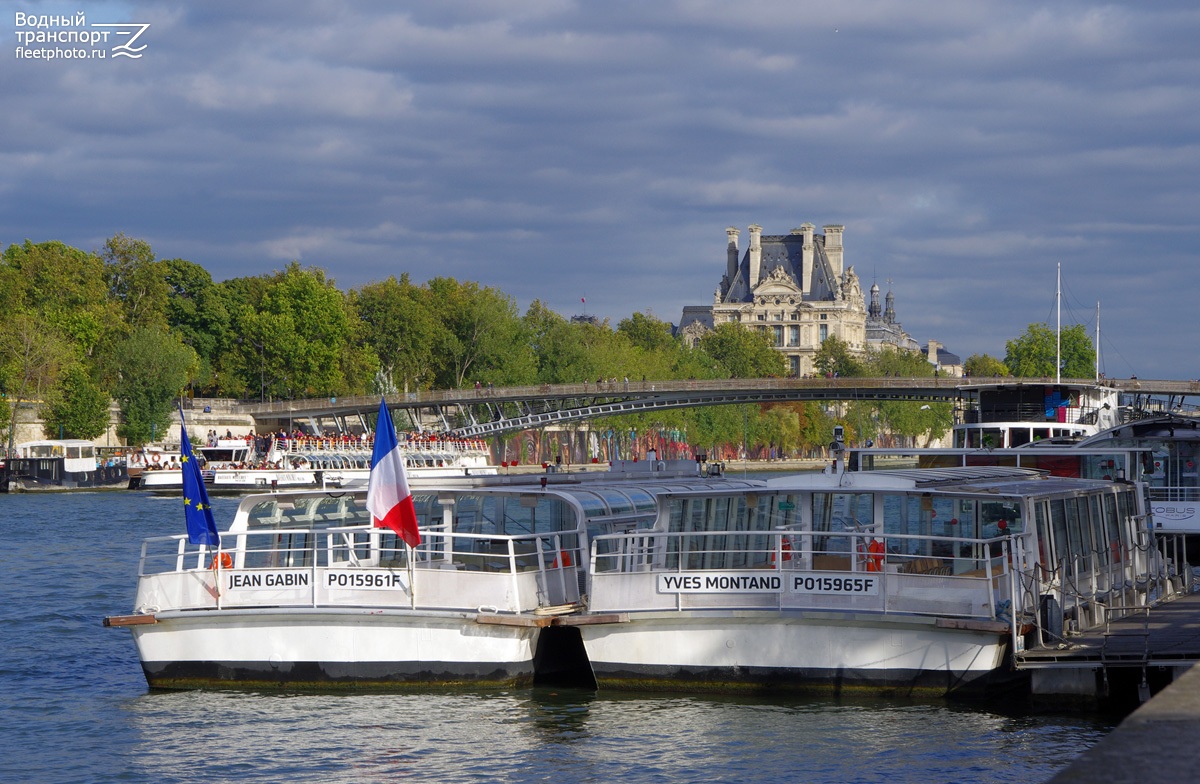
column 1159, row 742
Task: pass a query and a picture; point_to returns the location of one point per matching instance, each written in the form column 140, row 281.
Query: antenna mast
column 1058, row 327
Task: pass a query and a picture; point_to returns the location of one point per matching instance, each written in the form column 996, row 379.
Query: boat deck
column 1165, row 635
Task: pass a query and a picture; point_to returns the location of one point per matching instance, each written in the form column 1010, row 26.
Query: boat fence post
column 512, row 572
column 412, row 576
column 562, row 566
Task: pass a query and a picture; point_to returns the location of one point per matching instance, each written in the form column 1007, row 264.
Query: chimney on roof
column 806, row 258
column 731, row 253
column 755, row 254
column 833, row 248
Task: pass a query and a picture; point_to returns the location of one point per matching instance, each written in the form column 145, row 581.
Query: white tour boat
column 893, row 581
column 305, row 594
column 61, row 464
column 1018, row 413
column 232, row 465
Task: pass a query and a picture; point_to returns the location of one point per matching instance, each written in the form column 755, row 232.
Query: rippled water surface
column 76, row 708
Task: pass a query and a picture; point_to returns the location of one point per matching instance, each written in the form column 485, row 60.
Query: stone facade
column 793, row 287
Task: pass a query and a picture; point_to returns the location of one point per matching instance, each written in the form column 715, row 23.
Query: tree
column 154, row 366
column 400, row 325
column 743, row 353
column 985, row 366
column 31, row 357
column 834, row 358
column 302, row 338
column 197, row 313
column 136, row 280
column 647, row 332
column 1032, row 355
column 483, row 338
column 78, row 409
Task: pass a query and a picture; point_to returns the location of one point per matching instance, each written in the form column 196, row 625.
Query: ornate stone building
column 793, row 287
column 882, row 327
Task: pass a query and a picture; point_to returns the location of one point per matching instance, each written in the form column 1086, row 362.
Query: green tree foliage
column 1032, row 355
column 648, row 333
column 483, row 338
column 136, row 280
column 927, row 421
column 743, row 353
column 298, row 339
column 985, row 366
column 65, row 289
column 196, row 311
column 400, row 324
column 835, row 358
column 32, row 356
column 155, row 366
column 78, row 408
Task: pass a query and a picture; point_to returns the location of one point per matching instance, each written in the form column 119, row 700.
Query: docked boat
column 61, row 464
column 234, row 465
column 306, row 594
column 923, row 580
column 1014, row 414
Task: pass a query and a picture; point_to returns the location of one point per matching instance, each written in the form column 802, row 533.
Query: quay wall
column 1156, row 743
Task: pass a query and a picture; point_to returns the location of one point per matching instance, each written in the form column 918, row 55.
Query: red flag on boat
column 389, row 500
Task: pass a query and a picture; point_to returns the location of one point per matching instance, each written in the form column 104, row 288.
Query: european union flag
column 200, row 525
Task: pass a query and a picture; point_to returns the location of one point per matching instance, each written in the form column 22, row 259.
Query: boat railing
column 788, row 569
column 1087, row 590
column 1173, row 493
column 360, row 566
column 359, row 444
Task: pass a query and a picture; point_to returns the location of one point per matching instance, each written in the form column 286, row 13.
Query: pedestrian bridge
column 477, row 413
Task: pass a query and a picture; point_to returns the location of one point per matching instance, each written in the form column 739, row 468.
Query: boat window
column 718, row 532
column 1058, row 534
column 1018, row 436
column 837, row 513
column 618, row 502
column 993, row 513
column 1076, row 529
column 927, row 516
column 592, row 505
column 642, row 500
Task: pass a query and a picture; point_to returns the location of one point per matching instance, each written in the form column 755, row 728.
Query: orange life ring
column 226, row 561
column 155, row 458
column 786, row 546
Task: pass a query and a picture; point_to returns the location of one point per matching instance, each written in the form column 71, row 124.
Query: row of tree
column 81, row 329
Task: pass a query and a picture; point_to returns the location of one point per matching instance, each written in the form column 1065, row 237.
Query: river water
column 75, row 707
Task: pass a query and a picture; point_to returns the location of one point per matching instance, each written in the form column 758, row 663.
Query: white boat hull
column 349, row 648
column 749, row 651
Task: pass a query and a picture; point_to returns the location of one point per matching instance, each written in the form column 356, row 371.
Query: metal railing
column 360, row 566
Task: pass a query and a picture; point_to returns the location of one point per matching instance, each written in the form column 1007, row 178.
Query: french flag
column 389, row 500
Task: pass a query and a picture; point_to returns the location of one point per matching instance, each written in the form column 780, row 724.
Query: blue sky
column 564, row 150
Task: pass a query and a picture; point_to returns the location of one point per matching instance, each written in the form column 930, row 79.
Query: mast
column 1097, row 341
column 1058, row 327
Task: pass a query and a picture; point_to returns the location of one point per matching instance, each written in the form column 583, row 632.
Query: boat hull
column 36, row 475
column 324, row 649
column 800, row 652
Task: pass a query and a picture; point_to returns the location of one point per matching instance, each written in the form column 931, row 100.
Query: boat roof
column 56, row 442
column 990, row 480
column 599, row 495
column 1163, row 426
